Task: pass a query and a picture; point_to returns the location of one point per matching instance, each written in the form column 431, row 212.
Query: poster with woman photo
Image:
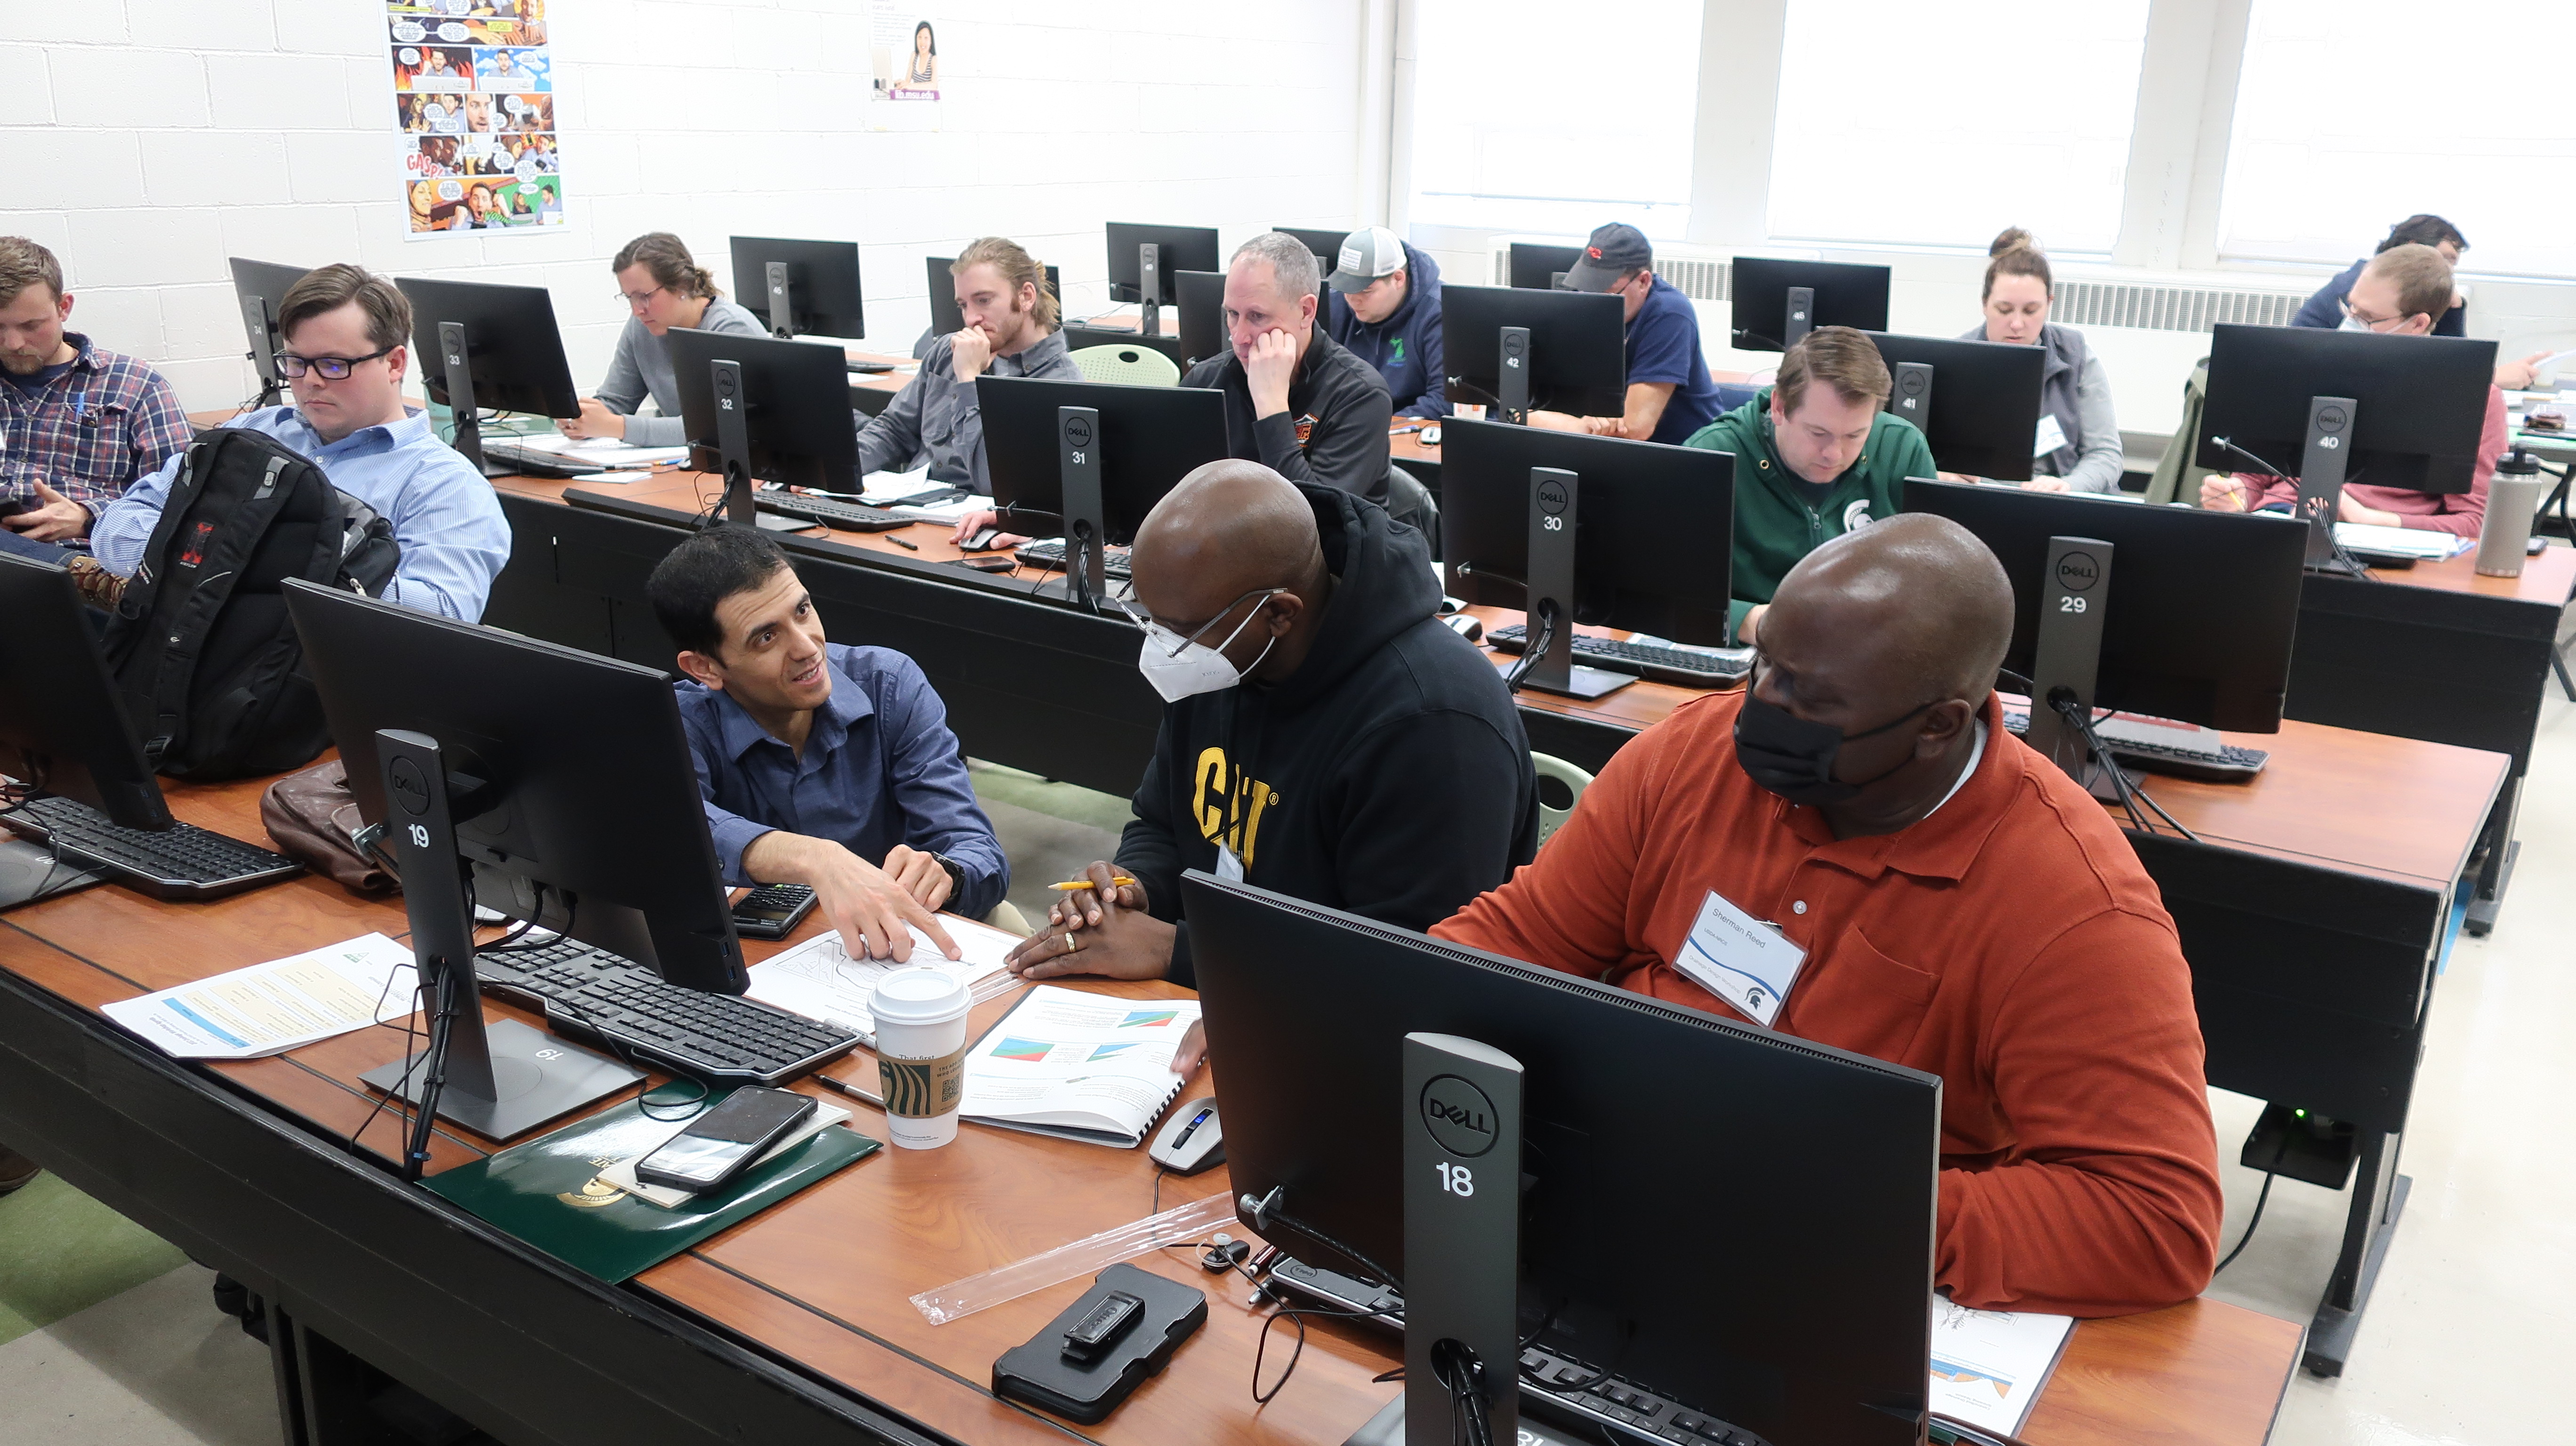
column 474, row 108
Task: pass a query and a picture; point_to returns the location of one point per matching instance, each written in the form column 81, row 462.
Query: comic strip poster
column 474, row 100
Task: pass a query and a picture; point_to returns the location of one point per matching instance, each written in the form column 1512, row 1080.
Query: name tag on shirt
column 1228, row 867
column 2051, row 436
column 1740, row 959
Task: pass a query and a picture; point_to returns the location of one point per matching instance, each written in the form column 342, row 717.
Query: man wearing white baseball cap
column 1386, row 311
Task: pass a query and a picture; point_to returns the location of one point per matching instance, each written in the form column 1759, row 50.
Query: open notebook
column 1078, row 1066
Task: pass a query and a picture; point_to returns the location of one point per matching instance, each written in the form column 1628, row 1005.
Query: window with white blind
column 2354, row 115
column 1902, row 123
column 1531, row 117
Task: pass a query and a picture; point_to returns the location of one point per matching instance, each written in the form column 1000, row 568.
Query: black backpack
column 201, row 648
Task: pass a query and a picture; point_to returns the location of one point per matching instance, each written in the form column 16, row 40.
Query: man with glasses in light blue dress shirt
column 345, row 331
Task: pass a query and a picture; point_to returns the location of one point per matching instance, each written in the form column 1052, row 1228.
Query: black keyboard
column 591, row 993
column 1573, row 1389
column 2230, row 764
column 833, row 512
column 1689, row 667
column 181, row 862
column 1049, row 552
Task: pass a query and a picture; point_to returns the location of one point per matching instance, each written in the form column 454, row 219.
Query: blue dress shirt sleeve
column 927, row 773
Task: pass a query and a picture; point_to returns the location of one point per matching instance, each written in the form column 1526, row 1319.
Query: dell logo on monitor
column 1458, row 1115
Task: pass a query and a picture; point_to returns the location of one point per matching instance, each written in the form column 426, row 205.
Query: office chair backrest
column 1575, row 781
column 1133, row 366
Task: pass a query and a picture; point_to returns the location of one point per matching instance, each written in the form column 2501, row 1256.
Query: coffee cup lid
column 918, row 994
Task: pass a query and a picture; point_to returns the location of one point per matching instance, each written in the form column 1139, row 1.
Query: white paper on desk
column 1989, row 1365
column 622, row 1174
column 878, row 485
column 2421, row 542
column 280, row 1005
column 819, row 980
column 602, row 450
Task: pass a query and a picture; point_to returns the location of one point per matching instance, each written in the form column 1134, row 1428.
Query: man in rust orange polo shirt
column 1947, row 899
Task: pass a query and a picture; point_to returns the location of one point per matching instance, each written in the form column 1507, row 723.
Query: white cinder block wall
column 147, row 140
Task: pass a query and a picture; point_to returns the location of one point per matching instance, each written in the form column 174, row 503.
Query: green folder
column 547, row 1193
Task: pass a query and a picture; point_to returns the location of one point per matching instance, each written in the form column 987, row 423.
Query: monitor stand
column 2321, row 469
column 782, row 299
column 1512, row 374
column 500, row 1079
column 1462, row 1228
column 453, row 354
column 1799, row 317
column 1553, row 494
column 741, row 506
column 256, row 317
column 1911, row 396
column 1086, row 531
column 2068, row 655
column 1149, row 284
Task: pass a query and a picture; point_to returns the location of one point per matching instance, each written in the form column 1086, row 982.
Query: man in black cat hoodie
column 1326, row 735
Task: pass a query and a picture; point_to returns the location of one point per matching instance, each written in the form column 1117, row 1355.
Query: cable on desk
column 2341, row 555
column 1537, row 637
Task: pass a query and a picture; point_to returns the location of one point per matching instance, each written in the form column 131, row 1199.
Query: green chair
column 1575, row 781
column 1132, row 366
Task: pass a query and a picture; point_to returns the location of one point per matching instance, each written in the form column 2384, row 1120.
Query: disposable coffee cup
column 921, row 1054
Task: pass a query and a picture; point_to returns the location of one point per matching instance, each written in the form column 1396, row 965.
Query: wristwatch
column 956, row 874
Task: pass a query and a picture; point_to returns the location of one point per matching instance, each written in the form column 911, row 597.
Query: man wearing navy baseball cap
column 1670, row 394
column 1386, row 310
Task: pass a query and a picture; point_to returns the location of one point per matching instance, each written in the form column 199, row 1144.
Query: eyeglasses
column 639, row 300
column 1179, row 643
column 2373, row 322
column 332, row 368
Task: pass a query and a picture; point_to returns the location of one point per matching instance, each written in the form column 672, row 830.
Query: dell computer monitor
column 2419, row 403
column 2194, row 617
column 1203, row 331
column 1327, row 245
column 796, row 407
column 799, row 287
column 946, row 316
column 1976, row 401
column 1577, row 358
column 1777, row 302
column 1786, row 1285
column 62, row 730
column 259, row 289
column 1149, row 439
column 1635, row 504
column 514, row 352
column 1177, row 249
column 1534, row 266
column 592, row 823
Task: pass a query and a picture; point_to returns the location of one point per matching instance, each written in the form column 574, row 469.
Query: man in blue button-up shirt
column 821, row 764
column 341, row 319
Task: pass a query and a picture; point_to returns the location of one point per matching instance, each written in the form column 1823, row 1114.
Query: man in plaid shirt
column 77, row 422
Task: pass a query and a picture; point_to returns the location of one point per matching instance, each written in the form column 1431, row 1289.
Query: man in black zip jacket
column 1327, row 736
column 1296, row 401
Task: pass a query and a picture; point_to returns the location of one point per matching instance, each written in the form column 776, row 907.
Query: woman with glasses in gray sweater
column 663, row 287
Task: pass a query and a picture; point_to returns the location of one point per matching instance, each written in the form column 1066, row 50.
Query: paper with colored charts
column 474, row 106
column 1079, row 1066
column 277, row 1006
column 1989, row 1365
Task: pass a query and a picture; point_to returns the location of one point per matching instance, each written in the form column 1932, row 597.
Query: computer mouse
column 1429, row 436
column 1465, row 626
column 982, row 541
column 1191, row 1140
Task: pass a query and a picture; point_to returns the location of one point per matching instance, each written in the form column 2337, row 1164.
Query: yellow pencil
column 1121, row 881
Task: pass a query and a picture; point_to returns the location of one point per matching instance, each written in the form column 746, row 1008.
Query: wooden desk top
column 1130, row 322
column 2549, row 578
column 824, row 1278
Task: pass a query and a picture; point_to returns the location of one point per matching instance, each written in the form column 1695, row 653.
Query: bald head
column 1901, row 612
column 1228, row 528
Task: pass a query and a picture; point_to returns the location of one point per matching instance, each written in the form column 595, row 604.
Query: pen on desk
column 1122, row 881
column 847, row 1088
column 906, row 546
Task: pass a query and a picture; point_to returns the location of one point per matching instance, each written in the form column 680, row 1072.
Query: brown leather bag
column 314, row 819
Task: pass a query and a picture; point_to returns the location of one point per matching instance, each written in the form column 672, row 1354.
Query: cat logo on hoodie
column 1227, row 805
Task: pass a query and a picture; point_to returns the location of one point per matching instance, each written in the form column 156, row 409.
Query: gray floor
column 2472, row 1310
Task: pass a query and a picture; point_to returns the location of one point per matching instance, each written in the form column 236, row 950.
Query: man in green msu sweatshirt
column 1814, row 458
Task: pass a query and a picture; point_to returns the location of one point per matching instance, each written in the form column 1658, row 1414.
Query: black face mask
column 1794, row 757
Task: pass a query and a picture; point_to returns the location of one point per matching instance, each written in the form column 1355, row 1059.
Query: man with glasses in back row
column 345, row 330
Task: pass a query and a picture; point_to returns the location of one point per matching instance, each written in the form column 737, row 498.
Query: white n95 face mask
column 1180, row 668
column 2353, row 323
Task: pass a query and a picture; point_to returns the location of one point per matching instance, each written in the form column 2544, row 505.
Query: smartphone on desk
column 721, row 1143
column 772, row 911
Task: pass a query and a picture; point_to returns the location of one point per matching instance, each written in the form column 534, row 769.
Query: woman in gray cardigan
column 2078, row 446
column 663, row 287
